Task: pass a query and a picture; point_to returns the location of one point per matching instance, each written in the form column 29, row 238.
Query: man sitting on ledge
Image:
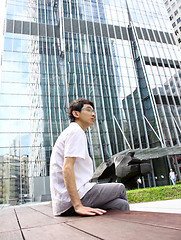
column 71, row 169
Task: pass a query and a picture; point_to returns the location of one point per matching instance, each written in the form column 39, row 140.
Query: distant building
column 120, row 54
column 14, row 184
column 174, row 13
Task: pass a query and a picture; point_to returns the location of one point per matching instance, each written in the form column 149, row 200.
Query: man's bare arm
column 69, row 179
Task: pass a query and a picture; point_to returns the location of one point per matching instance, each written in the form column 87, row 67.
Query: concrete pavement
column 166, row 206
column 36, row 221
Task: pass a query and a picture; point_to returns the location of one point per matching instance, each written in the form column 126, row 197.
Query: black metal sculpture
column 122, row 168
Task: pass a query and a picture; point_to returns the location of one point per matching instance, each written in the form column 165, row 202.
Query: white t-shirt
column 172, row 175
column 72, row 142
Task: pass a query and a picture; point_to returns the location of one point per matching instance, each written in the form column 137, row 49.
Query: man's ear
column 75, row 114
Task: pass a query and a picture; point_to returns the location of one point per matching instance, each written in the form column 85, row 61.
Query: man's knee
column 121, row 185
column 125, row 206
column 119, row 204
column 122, row 190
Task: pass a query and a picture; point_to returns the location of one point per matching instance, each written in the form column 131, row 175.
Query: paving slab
column 47, row 210
column 114, row 227
column 172, row 221
column 43, row 208
column 57, row 231
column 12, row 235
column 8, row 220
column 37, row 222
column 29, row 218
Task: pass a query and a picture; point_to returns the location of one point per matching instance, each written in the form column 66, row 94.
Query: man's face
column 86, row 116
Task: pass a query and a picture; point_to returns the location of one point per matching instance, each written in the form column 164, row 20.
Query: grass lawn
column 154, row 194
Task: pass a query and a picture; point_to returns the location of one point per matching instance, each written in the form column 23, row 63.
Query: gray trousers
column 104, row 196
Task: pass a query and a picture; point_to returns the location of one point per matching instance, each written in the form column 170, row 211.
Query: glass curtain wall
column 120, row 54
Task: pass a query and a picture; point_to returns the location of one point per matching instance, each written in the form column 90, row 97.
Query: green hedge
column 154, row 194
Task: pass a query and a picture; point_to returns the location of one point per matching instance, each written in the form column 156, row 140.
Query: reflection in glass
column 42, row 73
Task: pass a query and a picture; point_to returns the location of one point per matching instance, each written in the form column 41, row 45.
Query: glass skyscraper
column 119, row 53
column 174, row 13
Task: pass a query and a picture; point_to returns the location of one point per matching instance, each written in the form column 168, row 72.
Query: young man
column 71, row 169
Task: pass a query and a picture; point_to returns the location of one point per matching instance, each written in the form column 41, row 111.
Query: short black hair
column 77, row 105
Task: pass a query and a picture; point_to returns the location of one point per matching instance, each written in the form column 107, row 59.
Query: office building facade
column 120, row 54
column 173, row 8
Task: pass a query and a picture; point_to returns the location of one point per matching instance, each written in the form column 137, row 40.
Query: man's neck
column 81, row 125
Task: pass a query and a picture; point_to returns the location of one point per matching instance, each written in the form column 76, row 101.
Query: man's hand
column 82, row 210
column 69, row 180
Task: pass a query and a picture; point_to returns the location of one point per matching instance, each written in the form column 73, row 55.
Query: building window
column 171, row 17
column 176, row 32
column 166, row 3
column 178, row 20
column 159, row 62
column 179, row 40
column 173, row 24
column 164, row 100
column 162, row 37
column 145, row 34
column 165, row 62
column 176, row 12
column 169, row 9
column 171, row 63
column 173, row 5
column 147, row 62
